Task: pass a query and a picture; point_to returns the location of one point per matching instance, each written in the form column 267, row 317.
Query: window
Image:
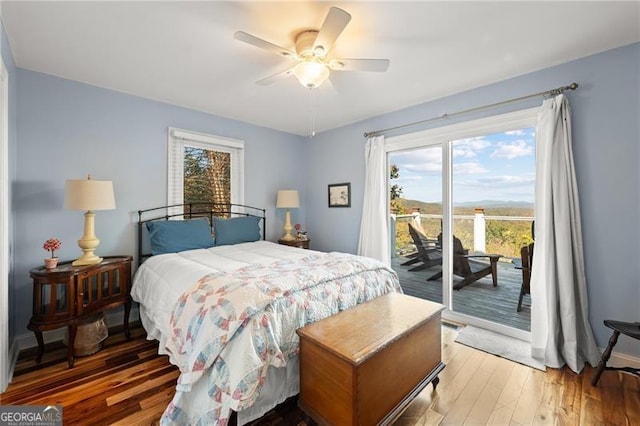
column 204, row 168
column 493, row 183
column 474, row 181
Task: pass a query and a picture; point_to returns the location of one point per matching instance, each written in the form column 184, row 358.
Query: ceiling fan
column 311, row 53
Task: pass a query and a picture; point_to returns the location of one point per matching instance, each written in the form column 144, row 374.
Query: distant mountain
column 496, row 204
column 492, row 207
column 473, row 204
column 435, row 208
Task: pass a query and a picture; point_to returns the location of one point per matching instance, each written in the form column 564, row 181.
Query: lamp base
column 287, row 227
column 87, row 260
column 88, row 243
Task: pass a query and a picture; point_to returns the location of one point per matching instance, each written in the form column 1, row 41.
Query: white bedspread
column 161, row 280
column 227, row 275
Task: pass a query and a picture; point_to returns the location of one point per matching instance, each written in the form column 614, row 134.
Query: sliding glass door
column 461, row 200
column 416, row 216
column 493, row 182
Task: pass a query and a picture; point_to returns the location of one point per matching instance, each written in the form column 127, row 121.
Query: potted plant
column 52, row 244
column 300, row 235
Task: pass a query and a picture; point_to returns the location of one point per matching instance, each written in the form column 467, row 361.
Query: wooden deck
column 480, row 299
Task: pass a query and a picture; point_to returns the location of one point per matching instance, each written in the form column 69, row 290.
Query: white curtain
column 560, row 329
column 374, row 227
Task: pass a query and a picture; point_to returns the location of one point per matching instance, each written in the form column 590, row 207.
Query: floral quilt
column 230, row 328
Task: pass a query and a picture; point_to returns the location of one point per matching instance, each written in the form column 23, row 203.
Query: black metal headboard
column 194, row 210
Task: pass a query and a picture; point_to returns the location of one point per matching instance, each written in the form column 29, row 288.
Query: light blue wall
column 606, row 152
column 68, row 129
column 7, row 58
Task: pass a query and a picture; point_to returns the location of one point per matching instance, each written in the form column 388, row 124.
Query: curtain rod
column 552, row 92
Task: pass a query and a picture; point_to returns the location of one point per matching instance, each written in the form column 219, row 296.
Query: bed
column 225, row 308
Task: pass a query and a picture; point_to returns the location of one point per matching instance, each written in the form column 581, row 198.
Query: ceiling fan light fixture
column 311, row 73
column 312, row 48
column 336, row 64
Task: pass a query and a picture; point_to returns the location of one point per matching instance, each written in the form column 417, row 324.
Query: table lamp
column 88, row 195
column 288, row 199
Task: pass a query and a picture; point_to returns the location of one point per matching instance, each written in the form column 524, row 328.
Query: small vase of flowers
column 299, row 234
column 52, row 244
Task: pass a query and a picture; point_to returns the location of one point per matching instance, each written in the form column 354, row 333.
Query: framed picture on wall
column 340, row 195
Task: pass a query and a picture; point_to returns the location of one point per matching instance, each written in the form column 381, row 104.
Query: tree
column 396, row 203
column 396, row 190
column 207, row 176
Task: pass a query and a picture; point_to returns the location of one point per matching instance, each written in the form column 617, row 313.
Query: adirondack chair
column 465, row 265
column 428, row 252
column 525, row 263
column 415, row 256
column 468, row 267
column 526, row 260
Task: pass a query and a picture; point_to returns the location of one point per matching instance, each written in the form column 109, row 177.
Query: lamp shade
column 88, row 194
column 288, row 199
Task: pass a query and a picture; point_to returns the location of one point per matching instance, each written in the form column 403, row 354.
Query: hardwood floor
column 127, row 383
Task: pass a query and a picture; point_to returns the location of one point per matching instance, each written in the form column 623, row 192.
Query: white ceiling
column 184, row 53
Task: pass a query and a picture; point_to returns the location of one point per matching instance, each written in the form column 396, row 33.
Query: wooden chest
column 364, row 365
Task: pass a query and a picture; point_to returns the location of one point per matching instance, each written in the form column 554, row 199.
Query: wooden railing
column 475, row 231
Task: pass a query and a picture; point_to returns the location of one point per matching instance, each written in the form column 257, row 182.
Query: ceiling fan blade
column 333, row 25
column 275, row 77
column 375, row 65
column 263, row 44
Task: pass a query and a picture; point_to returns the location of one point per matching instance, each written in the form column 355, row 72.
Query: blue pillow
column 172, row 236
column 236, row 230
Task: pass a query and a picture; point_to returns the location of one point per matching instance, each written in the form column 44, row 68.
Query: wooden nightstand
column 296, row 243
column 67, row 295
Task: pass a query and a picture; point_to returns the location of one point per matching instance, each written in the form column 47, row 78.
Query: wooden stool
column 631, row 329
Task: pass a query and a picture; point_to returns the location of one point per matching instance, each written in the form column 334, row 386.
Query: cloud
column 504, row 187
column 511, row 150
column 428, row 160
column 507, row 180
column 402, row 179
column 471, row 168
column 464, row 153
column 428, row 168
column 433, row 154
column 515, row 133
column 470, row 147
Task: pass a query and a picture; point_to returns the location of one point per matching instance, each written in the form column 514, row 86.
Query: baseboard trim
column 623, row 360
column 28, row 340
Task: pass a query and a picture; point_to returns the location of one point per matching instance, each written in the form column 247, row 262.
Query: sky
column 499, row 166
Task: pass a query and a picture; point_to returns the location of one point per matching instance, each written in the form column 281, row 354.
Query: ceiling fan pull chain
column 312, row 121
